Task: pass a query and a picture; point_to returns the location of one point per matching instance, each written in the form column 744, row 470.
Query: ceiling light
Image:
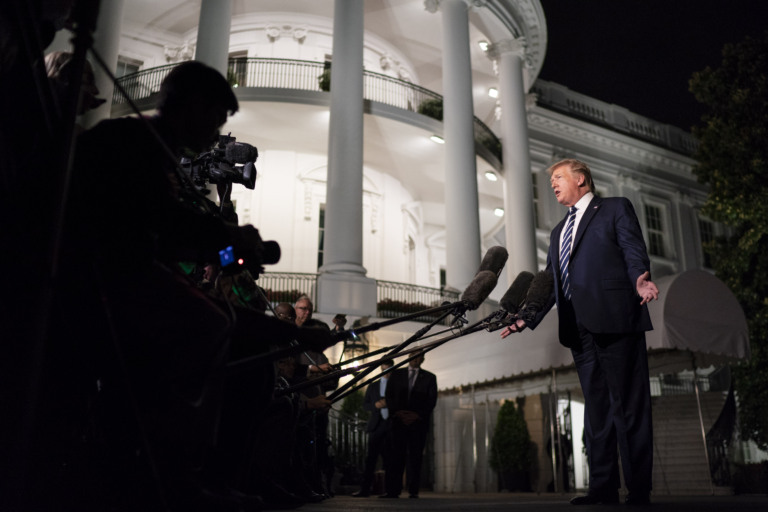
column 483, row 45
column 437, row 139
column 499, row 212
column 493, row 92
column 491, row 176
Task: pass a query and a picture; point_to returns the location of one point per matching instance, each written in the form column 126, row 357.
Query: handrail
column 394, row 299
column 259, row 72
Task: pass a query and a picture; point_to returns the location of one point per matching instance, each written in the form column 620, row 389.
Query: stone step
column 680, row 464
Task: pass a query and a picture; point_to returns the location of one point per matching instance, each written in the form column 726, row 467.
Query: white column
column 106, row 41
column 212, row 46
column 518, row 189
column 462, row 220
column 342, row 285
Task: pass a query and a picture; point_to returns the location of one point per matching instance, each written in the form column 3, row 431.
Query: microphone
column 538, row 295
column 484, row 282
column 511, row 302
column 475, row 294
column 494, row 260
column 479, row 289
column 516, row 294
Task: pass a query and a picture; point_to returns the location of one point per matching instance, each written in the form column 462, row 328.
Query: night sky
column 640, row 54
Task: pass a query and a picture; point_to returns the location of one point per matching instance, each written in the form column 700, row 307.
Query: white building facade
column 352, row 187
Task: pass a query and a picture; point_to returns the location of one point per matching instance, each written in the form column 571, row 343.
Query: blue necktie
column 565, row 253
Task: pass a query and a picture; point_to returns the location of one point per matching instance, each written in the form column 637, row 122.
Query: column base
column 351, row 294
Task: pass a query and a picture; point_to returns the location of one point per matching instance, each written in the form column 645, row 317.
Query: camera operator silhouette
column 128, row 316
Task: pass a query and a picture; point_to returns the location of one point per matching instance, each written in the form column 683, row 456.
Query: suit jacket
column 423, row 396
column 373, row 395
column 608, row 254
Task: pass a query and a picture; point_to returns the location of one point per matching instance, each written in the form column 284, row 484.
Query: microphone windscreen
column 494, row 260
column 240, row 153
column 515, row 295
column 479, row 289
column 540, row 290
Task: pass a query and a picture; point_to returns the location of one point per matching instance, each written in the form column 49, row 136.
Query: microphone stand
column 378, row 325
column 478, row 326
column 337, row 374
column 384, row 349
column 418, row 334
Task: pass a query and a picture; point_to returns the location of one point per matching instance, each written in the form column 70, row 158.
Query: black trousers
column 408, row 442
column 613, row 371
column 378, row 444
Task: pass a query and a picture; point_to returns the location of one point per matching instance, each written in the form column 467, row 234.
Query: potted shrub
column 511, row 449
column 432, row 107
column 324, row 79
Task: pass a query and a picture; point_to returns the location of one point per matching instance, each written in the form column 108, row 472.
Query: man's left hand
column 646, row 289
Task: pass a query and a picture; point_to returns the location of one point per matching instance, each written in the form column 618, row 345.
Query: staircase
column 680, row 464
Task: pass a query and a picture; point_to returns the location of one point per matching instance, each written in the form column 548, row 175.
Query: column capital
column 514, row 46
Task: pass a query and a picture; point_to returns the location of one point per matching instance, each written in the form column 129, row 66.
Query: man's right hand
column 518, row 326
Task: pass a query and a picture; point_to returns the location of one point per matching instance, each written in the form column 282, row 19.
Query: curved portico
column 455, row 206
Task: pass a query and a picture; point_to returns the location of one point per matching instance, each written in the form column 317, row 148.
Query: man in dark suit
column 377, row 428
column 411, row 396
column 601, row 271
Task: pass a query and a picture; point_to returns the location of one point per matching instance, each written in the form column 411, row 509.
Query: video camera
column 227, row 162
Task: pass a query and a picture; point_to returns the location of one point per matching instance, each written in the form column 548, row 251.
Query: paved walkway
column 537, row 503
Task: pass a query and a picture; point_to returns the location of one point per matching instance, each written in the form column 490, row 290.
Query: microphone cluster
column 524, row 299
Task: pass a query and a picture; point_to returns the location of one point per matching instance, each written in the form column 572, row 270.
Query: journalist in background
column 601, row 271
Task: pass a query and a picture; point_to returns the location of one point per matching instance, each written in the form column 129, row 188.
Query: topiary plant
column 511, row 448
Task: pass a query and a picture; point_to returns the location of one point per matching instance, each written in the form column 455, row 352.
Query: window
column 237, row 73
column 707, row 234
column 655, row 225
column 127, row 66
column 321, row 236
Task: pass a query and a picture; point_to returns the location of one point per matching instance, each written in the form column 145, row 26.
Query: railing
column 276, row 73
column 398, row 299
column 393, row 299
column 287, row 286
column 559, row 98
column 671, row 384
column 141, row 84
column 396, row 92
column 309, row 76
column 719, row 440
column 349, row 440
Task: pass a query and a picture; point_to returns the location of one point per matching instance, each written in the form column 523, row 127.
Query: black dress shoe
column 389, row 496
column 637, row 499
column 608, row 498
column 413, row 496
column 361, row 494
